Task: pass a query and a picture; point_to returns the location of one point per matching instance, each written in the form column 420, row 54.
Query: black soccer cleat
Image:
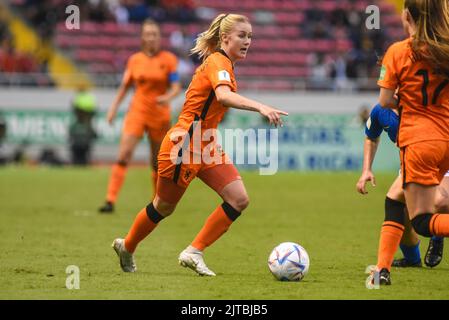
column 404, row 263
column 108, row 207
column 384, row 277
column 434, row 253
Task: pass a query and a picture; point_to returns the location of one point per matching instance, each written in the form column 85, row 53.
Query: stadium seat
column 279, row 50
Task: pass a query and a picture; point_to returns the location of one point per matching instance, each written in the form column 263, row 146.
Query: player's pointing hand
column 273, row 115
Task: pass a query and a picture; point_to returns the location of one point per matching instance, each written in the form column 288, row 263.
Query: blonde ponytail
column 210, row 40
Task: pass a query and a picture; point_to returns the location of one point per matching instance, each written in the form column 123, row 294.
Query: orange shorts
column 216, row 178
column 180, row 169
column 135, row 124
column 425, row 162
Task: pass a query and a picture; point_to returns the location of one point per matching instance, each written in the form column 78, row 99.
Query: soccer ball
column 289, row 262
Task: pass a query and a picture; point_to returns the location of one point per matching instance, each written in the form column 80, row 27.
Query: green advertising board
column 306, row 142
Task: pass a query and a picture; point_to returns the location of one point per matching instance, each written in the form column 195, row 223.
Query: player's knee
column 421, row 224
column 244, row 202
column 240, row 203
column 122, row 163
column 125, row 156
column 441, row 203
column 163, row 208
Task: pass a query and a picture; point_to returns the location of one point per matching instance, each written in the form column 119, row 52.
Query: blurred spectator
column 338, row 21
column 342, row 72
column 181, row 11
column 12, row 61
column 314, row 14
column 263, row 17
column 205, row 13
column 138, row 11
column 355, row 19
column 35, row 64
column 339, row 16
column 99, row 11
column 185, row 68
column 81, row 132
column 119, row 11
column 43, row 15
column 319, row 31
column 345, row 21
column 4, row 32
column 314, row 24
column 319, row 71
column 180, row 41
column 84, row 101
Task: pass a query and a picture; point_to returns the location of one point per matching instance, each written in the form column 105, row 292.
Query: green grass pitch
column 48, row 221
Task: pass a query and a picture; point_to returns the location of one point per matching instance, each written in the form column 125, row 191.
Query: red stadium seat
column 278, row 51
column 111, row 28
column 87, row 42
column 64, row 41
column 90, row 28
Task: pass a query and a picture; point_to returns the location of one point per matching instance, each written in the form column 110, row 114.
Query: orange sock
column 390, row 237
column 142, row 227
column 439, row 225
column 216, row 225
column 115, row 182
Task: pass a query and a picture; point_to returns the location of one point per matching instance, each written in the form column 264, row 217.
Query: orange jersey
column 201, row 103
column 201, row 110
column 150, row 77
column 423, row 94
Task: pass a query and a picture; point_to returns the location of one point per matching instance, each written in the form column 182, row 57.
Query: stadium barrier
column 322, row 132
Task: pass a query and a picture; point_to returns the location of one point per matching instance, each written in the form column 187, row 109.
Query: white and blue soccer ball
column 289, row 262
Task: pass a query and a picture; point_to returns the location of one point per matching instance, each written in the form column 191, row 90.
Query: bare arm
column 388, row 99
column 369, row 153
column 233, row 100
column 112, row 112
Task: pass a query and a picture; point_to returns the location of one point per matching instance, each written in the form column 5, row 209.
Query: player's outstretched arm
column 233, row 100
column 369, row 153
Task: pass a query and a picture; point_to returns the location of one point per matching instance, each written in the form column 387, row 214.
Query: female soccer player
column 418, row 68
column 153, row 72
column 210, row 94
column 388, row 120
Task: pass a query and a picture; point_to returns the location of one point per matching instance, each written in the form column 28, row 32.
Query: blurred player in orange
column 210, row 94
column 418, row 69
column 153, row 72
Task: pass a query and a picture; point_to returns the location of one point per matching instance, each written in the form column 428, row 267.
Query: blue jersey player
column 388, row 120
